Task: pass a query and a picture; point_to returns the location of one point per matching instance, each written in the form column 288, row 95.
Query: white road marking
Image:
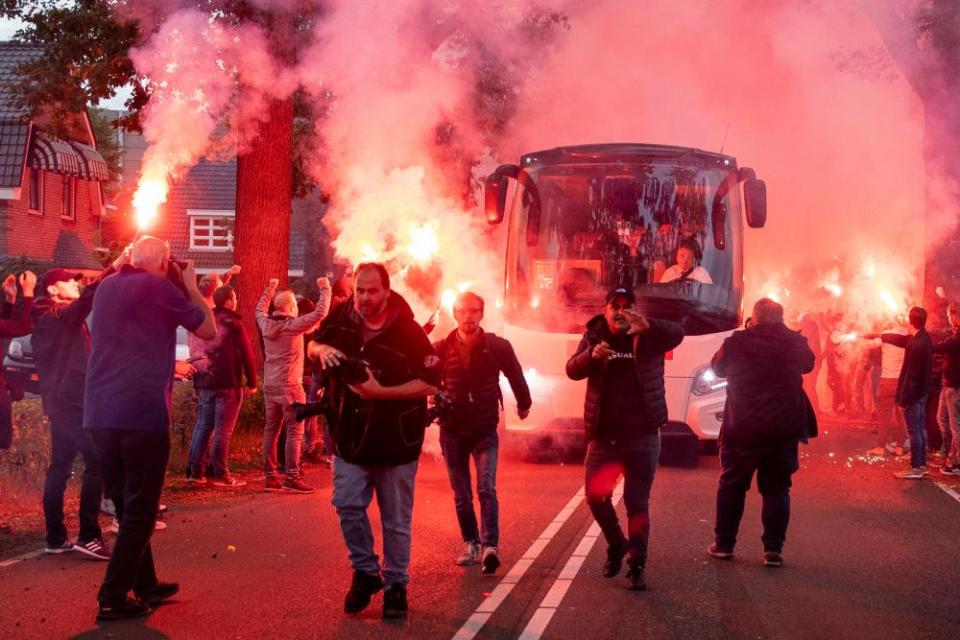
column 551, row 602
column 475, row 622
column 950, row 491
column 21, row 558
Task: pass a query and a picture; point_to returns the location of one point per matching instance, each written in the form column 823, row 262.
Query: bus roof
column 624, row 152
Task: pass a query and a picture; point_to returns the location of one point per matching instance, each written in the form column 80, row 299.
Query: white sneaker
column 106, row 506
column 114, row 527
column 470, row 554
column 913, row 473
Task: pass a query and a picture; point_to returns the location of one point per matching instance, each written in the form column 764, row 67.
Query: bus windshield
column 669, row 229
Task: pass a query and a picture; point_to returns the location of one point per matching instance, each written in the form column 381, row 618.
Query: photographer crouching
column 379, row 418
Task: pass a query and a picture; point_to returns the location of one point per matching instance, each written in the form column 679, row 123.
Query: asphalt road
column 867, row 556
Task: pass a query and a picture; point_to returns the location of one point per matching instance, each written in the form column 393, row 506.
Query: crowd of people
column 106, row 390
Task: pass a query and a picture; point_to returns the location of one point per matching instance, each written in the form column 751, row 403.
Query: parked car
column 20, row 367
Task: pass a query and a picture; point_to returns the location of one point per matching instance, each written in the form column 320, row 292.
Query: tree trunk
column 262, row 224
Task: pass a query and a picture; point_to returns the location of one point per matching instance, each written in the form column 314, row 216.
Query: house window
column 36, row 191
column 69, row 211
column 211, row 233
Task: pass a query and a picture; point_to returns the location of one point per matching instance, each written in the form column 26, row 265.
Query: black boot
column 363, row 587
column 614, row 560
column 395, row 602
column 635, row 576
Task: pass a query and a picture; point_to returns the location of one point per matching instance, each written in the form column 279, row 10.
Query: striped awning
column 95, row 167
column 50, row 153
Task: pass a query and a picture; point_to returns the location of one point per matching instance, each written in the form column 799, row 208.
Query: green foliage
column 20, row 264
column 107, row 144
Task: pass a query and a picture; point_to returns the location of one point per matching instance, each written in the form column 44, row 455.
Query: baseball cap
column 621, row 292
column 54, row 276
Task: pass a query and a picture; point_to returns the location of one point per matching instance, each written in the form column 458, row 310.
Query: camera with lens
column 175, row 275
column 441, row 408
column 352, row 370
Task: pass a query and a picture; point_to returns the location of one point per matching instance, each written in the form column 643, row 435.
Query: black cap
column 621, row 292
column 54, row 276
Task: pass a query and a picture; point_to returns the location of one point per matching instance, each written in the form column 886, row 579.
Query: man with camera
column 381, row 416
column 13, row 327
column 471, row 361
column 127, row 407
column 283, row 356
column 622, row 357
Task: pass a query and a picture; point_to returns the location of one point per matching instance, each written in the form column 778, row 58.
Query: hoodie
column 283, row 339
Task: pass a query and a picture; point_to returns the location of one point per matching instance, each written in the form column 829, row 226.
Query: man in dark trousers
column 13, row 326
column 766, row 415
column 948, row 412
column 913, row 386
column 381, row 416
column 621, row 355
column 472, row 361
column 127, row 408
column 61, row 346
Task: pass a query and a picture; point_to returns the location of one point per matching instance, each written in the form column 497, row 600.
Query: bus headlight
column 707, row 382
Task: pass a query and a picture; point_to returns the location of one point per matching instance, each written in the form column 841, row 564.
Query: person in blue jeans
column 622, row 357
column 380, row 369
column 472, row 361
column 229, row 361
column 913, row 386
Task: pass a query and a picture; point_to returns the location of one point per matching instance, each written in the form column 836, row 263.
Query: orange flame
column 150, row 194
column 423, row 243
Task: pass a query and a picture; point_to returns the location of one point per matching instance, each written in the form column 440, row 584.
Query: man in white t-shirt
column 686, row 267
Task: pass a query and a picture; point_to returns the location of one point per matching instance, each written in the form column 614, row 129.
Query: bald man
column 127, row 408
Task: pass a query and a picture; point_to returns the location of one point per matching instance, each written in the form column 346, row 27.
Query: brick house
column 51, row 201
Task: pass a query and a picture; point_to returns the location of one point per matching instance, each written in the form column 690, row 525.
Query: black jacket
column 950, row 348
column 379, row 432
column 766, row 403
column 476, row 390
column 230, row 355
column 913, row 385
column 61, row 346
column 649, row 348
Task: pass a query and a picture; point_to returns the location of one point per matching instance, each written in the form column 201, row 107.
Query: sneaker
column 362, row 588
column 229, row 481
column 162, row 508
column 128, row 608
column 199, row 481
column 911, row 473
column 470, row 555
column 296, row 485
column 273, row 485
column 876, row 451
column 114, row 526
column 772, row 559
column 58, row 549
column 106, row 506
column 491, row 560
column 161, row 592
column 950, row 470
column 395, row 602
column 717, row 552
column 636, row 579
column 95, row 548
column 614, row 560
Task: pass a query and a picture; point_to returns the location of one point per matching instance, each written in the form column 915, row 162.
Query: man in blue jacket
column 622, row 357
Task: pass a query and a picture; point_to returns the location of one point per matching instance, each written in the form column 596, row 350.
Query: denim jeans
column 890, row 418
column 915, row 417
column 457, row 451
column 279, row 409
column 311, row 424
column 226, row 405
column 636, row 461
column 198, row 456
column 68, row 438
column 134, row 464
column 774, row 464
column 353, row 488
column 948, row 416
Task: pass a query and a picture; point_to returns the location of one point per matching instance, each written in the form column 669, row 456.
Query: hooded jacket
column 283, row 340
column 766, row 403
column 385, row 431
column 649, row 348
column 229, row 355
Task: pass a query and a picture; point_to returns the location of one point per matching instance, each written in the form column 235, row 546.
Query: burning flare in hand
column 151, row 193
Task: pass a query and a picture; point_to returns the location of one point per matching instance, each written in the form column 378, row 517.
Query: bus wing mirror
column 755, row 202
column 495, row 192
